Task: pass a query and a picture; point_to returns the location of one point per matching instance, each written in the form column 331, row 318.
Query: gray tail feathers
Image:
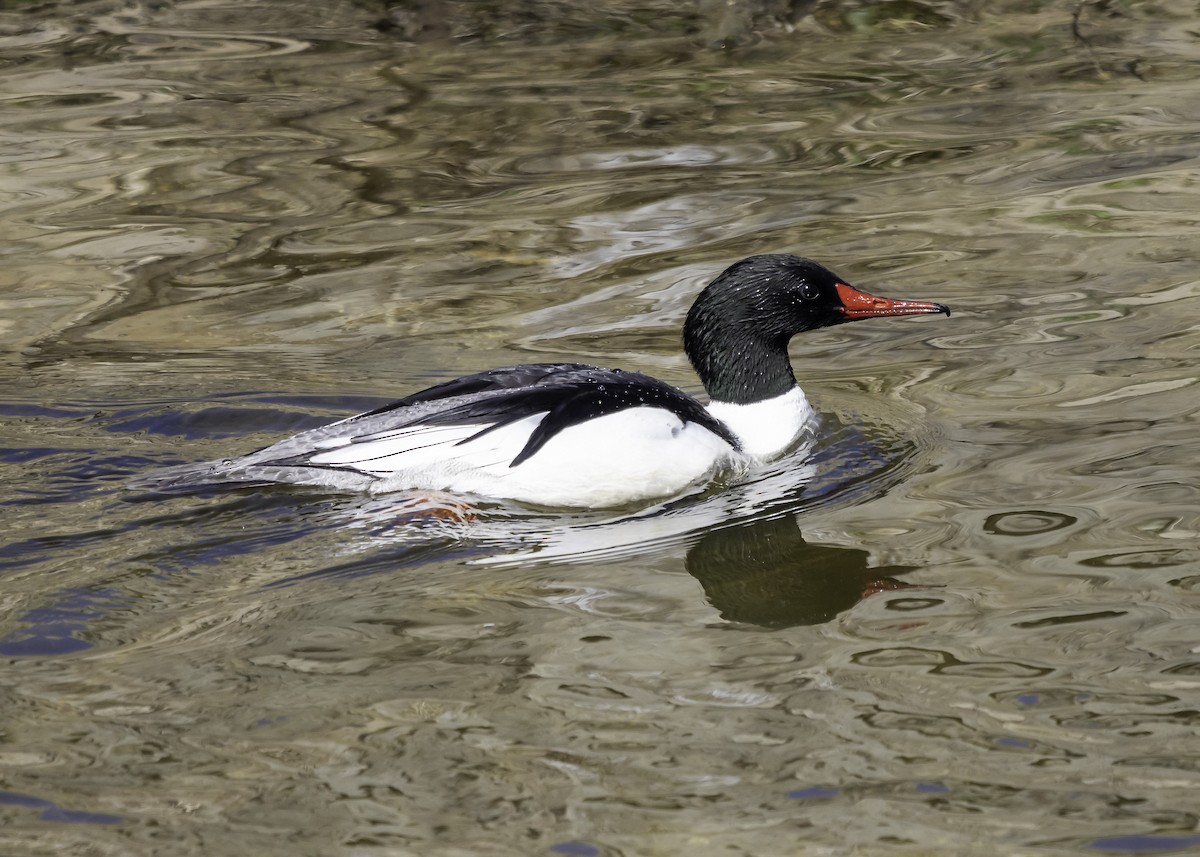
column 187, row 477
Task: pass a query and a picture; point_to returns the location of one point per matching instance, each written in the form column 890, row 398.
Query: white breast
column 770, row 427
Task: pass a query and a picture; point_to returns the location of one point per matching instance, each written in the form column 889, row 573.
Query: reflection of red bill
column 887, row 584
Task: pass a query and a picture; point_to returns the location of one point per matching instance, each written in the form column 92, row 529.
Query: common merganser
column 569, row 434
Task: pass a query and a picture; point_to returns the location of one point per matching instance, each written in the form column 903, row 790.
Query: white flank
column 767, row 428
column 631, row 455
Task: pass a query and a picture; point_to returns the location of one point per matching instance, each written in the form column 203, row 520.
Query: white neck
column 769, row 427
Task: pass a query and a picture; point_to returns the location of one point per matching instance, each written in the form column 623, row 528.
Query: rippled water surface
column 965, row 624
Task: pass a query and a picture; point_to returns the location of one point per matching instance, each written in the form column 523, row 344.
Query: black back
column 568, row 393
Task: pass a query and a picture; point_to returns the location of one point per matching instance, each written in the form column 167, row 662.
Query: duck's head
column 737, row 331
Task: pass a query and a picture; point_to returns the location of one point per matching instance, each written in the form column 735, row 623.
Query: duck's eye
column 809, row 292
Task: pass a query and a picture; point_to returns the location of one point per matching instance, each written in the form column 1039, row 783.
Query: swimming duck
column 573, row 435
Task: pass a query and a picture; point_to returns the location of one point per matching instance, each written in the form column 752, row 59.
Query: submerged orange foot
column 439, row 507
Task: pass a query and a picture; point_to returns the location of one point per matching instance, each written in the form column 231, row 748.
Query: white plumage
column 631, row 455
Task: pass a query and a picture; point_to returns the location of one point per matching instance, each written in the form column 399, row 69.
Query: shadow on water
column 742, row 541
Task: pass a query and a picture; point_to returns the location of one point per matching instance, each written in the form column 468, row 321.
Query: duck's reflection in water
column 759, row 572
column 742, row 541
column 765, row 573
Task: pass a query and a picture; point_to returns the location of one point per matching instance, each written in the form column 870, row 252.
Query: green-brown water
column 966, row 626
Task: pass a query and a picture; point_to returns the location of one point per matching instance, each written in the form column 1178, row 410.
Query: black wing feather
column 598, row 395
column 509, row 377
column 567, row 393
